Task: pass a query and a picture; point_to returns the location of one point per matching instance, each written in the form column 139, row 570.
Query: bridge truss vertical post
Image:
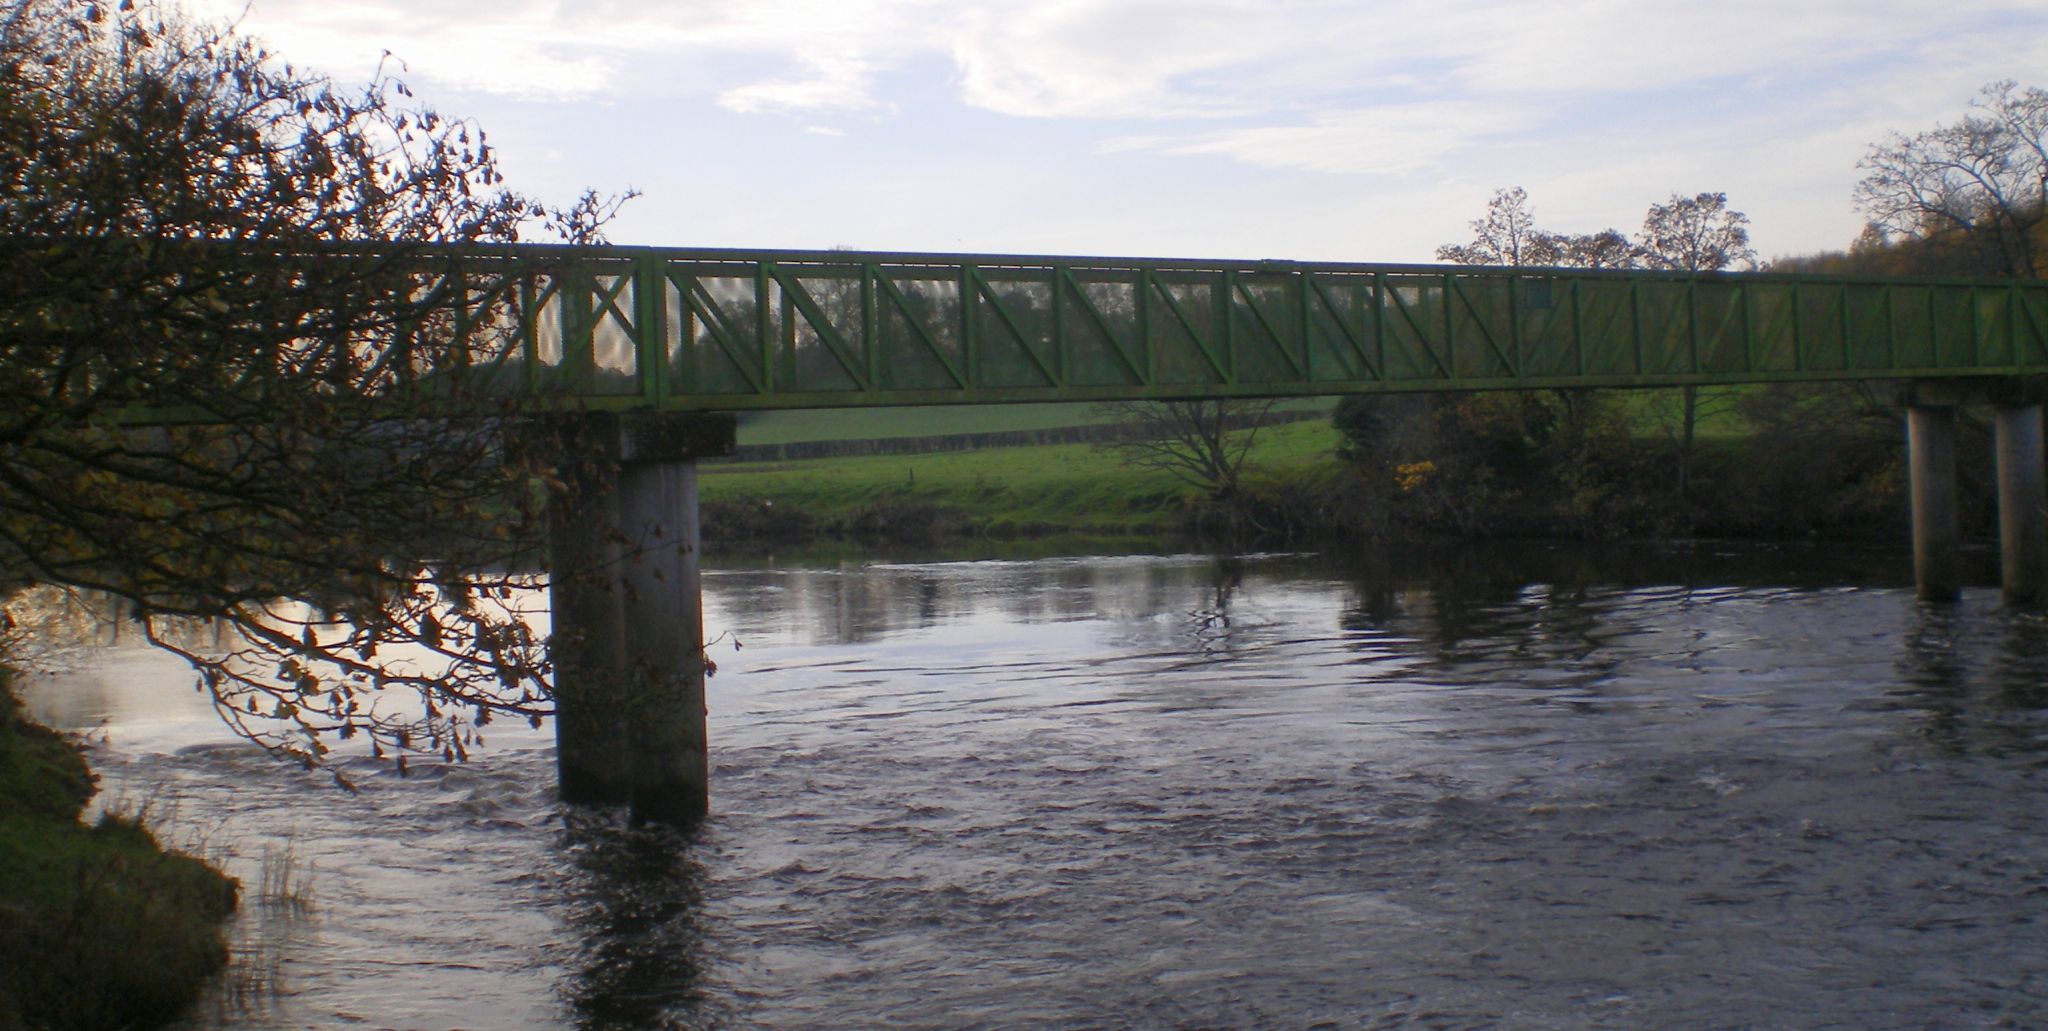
column 628, row 636
column 1931, row 466
column 2022, row 504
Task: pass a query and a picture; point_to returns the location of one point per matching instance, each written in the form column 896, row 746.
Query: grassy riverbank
column 1818, row 463
column 100, row 927
column 1075, row 490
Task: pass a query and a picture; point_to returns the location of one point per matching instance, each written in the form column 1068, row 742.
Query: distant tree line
column 1965, row 199
column 1968, row 199
column 1775, row 461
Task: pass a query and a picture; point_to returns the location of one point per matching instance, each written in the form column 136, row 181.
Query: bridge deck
column 625, row 327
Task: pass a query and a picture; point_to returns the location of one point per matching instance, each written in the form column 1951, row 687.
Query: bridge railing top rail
column 614, row 254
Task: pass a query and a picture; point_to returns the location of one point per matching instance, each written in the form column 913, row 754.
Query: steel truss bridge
column 643, row 351
column 735, row 330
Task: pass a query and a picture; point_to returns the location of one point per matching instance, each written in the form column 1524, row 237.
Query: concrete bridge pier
column 588, row 635
column 2022, row 504
column 628, row 636
column 2022, row 485
column 1931, row 478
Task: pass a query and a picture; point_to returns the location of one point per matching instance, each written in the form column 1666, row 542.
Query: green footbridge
column 733, row 330
column 641, row 341
column 648, row 351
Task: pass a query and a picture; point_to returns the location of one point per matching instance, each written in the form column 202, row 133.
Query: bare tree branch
column 338, row 506
column 1977, row 187
column 1202, row 443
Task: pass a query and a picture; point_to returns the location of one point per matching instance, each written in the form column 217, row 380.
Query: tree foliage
column 1508, row 235
column 1695, row 234
column 1699, row 233
column 1505, row 235
column 1456, row 450
column 1607, row 248
column 185, row 221
column 1976, row 189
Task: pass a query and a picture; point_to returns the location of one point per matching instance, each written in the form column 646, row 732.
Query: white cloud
column 833, row 86
column 1071, row 59
column 1597, row 106
column 1121, row 59
column 592, row 49
column 1372, row 140
column 517, row 50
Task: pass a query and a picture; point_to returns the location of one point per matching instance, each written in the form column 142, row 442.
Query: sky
column 1329, row 130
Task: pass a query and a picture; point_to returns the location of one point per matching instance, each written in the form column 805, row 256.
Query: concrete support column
column 2022, row 505
column 588, row 643
column 628, row 636
column 664, row 642
column 1931, row 461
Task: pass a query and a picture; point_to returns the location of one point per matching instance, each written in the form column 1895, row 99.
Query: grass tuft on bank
column 100, row 927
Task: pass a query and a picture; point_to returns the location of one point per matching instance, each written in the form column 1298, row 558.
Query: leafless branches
column 184, row 221
column 1203, row 443
column 1978, row 186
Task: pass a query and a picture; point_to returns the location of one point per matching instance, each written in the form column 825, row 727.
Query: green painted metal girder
column 729, row 330
column 734, row 330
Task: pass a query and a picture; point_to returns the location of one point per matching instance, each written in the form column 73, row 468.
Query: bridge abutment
column 628, row 636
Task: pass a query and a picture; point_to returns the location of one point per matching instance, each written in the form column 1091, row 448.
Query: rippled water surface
column 1531, row 790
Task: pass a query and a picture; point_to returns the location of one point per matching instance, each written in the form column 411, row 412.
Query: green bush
column 1484, row 464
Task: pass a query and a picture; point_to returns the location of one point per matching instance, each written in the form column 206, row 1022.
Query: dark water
column 1525, row 788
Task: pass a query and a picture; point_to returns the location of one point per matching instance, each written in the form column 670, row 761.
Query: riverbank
column 100, row 927
column 1076, row 491
column 1780, row 474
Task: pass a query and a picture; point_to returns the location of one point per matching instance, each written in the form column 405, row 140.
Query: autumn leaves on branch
column 173, row 198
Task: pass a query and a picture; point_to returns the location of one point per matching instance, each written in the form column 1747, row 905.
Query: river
column 1527, row 787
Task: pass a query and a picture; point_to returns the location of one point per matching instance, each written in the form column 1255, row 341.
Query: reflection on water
column 635, row 906
column 1524, row 787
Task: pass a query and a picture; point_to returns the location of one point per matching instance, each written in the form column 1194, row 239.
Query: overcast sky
column 1307, row 129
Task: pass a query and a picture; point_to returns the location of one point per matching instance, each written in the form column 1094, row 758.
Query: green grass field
column 1074, row 487
column 1650, row 410
column 883, row 423
column 1656, row 412
column 1071, row 488
column 795, row 427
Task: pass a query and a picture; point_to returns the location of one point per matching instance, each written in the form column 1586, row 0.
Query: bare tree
column 1506, row 235
column 1977, row 188
column 194, row 229
column 1203, row 443
column 1608, row 248
column 1699, row 233
column 1695, row 234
